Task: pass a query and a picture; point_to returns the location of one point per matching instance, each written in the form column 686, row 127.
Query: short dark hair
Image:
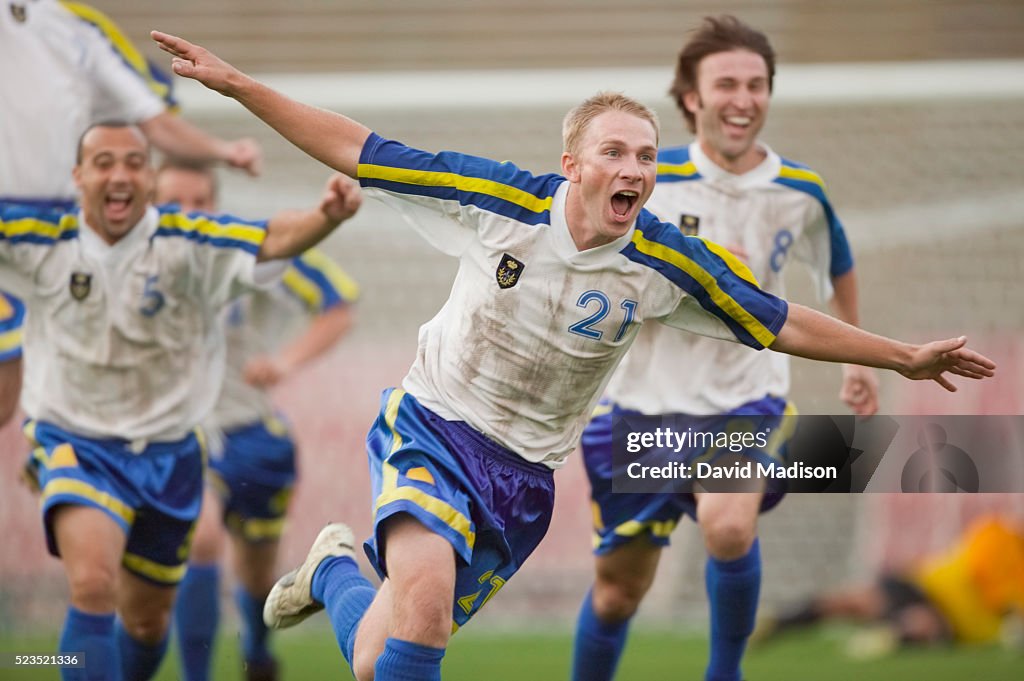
column 112, row 123
column 716, row 34
column 188, row 165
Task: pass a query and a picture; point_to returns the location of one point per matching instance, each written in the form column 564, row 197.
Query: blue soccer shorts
column 254, row 478
column 154, row 494
column 490, row 504
column 621, row 517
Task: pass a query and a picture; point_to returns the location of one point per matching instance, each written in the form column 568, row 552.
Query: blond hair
column 576, row 122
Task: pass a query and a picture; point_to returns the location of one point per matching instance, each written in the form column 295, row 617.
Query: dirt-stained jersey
column 533, row 327
column 257, row 324
column 118, row 337
column 771, row 215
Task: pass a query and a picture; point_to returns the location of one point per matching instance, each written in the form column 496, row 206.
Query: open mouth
column 739, row 122
column 622, row 202
column 118, row 204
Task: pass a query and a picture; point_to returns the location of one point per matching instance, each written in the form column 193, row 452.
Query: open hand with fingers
column 932, row 361
column 198, row 63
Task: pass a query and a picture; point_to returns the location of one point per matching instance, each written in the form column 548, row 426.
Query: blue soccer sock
column 346, row 595
column 254, row 631
column 139, row 661
column 196, row 616
column 598, row 645
column 91, row 636
column 407, row 661
column 733, row 587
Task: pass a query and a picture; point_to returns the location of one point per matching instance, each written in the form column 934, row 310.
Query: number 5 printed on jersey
column 152, row 299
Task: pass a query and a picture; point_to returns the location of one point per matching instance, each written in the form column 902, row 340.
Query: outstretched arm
column 175, row 136
column 813, row 335
column 293, row 232
column 328, row 137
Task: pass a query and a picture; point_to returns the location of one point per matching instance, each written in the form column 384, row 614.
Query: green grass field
column 310, row 653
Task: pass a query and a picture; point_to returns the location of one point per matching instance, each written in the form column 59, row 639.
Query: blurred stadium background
column 912, row 111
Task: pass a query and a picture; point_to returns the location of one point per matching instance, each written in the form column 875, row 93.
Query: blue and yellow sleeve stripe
column 722, row 284
column 221, row 231
column 22, row 223
column 156, row 80
column 801, row 178
column 674, row 165
column 12, row 316
column 319, row 282
column 499, row 188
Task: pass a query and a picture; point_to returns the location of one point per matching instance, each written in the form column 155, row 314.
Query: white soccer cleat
column 291, row 599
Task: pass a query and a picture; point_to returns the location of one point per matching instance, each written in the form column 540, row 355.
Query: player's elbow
column 274, row 247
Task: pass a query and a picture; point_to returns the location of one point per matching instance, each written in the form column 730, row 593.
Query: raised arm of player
column 292, row 232
column 328, row 137
column 811, row 334
column 175, row 136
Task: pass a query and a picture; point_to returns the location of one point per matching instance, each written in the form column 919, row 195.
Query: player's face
column 115, row 180
column 612, row 174
column 730, row 106
column 190, row 189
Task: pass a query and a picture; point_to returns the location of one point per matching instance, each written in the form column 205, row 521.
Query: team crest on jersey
column 18, row 12
column 689, row 224
column 81, row 284
column 508, row 272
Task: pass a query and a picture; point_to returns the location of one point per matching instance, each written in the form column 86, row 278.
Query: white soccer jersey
column 58, row 69
column 117, row 338
column 775, row 213
column 258, row 324
column 534, row 327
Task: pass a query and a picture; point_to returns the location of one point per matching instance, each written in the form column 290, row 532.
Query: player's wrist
column 903, row 356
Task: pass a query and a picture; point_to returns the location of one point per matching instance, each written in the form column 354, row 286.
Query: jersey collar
column 766, row 171
column 95, row 246
column 565, row 247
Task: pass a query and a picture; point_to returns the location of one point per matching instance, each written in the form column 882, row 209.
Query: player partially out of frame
column 250, row 480
column 728, row 187
column 970, row 592
column 557, row 273
column 122, row 347
column 67, row 65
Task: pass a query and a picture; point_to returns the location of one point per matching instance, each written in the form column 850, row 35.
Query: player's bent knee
column 616, row 601
column 207, row 544
column 147, row 628
column 729, row 538
column 93, row 588
column 205, row 553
